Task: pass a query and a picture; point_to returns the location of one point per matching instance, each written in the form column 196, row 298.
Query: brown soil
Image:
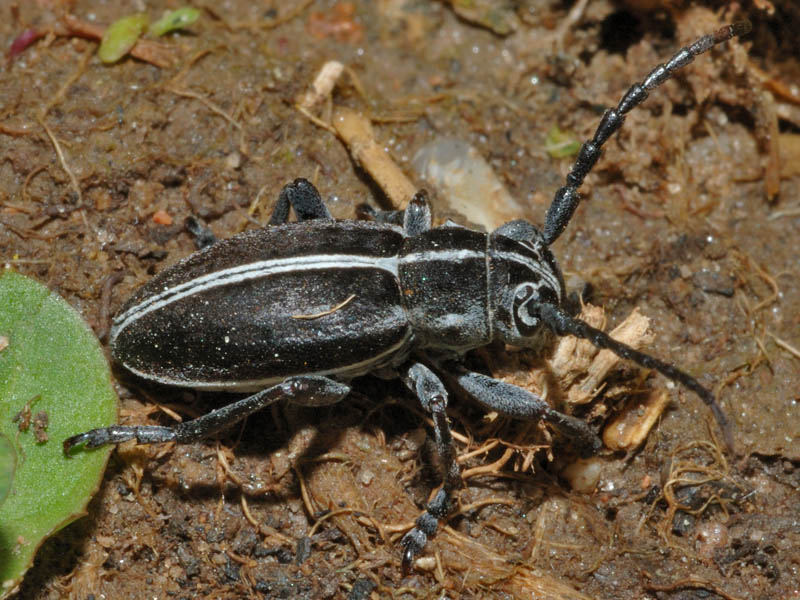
column 688, row 217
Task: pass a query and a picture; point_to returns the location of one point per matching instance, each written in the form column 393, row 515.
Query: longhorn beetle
column 294, row 311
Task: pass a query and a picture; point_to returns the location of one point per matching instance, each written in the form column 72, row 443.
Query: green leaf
column 8, row 462
column 177, row 19
column 121, row 36
column 52, row 365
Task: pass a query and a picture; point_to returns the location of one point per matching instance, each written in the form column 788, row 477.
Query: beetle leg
column 415, row 219
column 433, row 396
column 307, row 390
column 304, row 198
column 203, row 236
column 368, row 212
column 518, row 403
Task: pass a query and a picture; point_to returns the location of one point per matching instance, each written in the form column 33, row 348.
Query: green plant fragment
column 177, row 19
column 121, row 36
column 560, row 144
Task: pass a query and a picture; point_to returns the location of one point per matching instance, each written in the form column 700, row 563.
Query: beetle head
column 523, row 275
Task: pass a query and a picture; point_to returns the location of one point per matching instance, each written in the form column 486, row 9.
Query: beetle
column 294, row 311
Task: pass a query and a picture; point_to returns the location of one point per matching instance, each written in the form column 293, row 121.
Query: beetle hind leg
column 306, row 390
column 433, row 396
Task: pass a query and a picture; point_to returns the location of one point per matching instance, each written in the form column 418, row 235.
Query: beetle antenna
column 566, row 199
column 563, row 324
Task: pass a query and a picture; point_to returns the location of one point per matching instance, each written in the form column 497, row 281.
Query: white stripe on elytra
column 351, row 370
column 254, row 270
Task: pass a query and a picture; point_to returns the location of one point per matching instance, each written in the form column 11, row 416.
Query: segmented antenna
column 566, row 199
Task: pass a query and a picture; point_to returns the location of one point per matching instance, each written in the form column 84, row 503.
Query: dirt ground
column 691, row 216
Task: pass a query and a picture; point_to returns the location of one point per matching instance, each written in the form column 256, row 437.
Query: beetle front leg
column 308, row 390
column 518, row 403
column 432, row 395
column 304, row 198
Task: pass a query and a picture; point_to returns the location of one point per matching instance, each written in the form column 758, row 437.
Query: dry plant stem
column 246, row 562
column 26, row 198
column 767, row 120
column 324, row 313
column 573, row 18
column 690, row 582
column 167, row 411
column 519, row 580
column 68, row 82
column 226, row 469
column 208, row 103
column 748, row 264
column 782, row 214
column 255, row 25
column 322, row 86
column 484, row 502
column 64, row 165
column 356, row 132
column 486, row 469
column 57, row 97
column 133, row 482
column 785, row 345
column 680, row 468
column 262, row 528
column 490, row 444
column 629, row 429
column 786, row 92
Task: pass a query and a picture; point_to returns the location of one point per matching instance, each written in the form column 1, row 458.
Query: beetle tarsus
column 432, row 395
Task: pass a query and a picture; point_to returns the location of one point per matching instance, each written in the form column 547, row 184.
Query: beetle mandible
column 295, row 311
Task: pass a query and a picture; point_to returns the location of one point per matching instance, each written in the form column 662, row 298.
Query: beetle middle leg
column 301, row 195
column 304, row 198
column 306, row 390
column 432, row 394
column 415, row 219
